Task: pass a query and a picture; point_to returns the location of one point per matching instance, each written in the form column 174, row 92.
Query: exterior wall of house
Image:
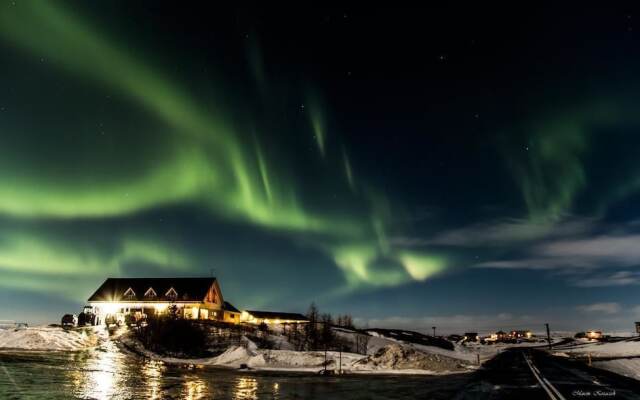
column 213, row 304
column 156, row 307
column 213, row 298
column 189, row 310
column 231, row 317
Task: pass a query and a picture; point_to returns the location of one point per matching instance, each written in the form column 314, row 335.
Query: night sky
column 469, row 168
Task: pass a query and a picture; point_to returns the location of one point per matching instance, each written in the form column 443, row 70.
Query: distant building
column 195, row 298
column 270, row 317
column 522, row 334
column 594, row 335
column 471, row 336
column 498, row 336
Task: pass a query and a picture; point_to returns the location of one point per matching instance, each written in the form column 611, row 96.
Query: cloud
column 617, row 250
column 619, row 278
column 501, row 232
column 567, row 248
column 604, row 251
column 602, row 308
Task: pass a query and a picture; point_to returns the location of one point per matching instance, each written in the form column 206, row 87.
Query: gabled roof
column 188, row 289
column 229, row 307
column 278, row 315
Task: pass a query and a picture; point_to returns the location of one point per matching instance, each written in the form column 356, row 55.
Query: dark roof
column 187, row 289
column 229, row 307
column 277, row 315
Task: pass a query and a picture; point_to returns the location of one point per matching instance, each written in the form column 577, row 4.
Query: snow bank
column 47, row 338
column 625, row 348
column 282, row 359
column 629, row 367
column 285, row 359
column 236, row 356
column 621, row 357
column 398, row 357
column 391, row 359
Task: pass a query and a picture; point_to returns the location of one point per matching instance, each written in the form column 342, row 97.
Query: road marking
column 553, row 388
column 553, row 393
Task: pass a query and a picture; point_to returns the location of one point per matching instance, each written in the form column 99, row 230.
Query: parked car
column 87, row 317
column 69, row 320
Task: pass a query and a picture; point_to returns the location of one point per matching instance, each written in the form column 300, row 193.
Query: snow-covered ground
column 391, row 358
column 622, row 357
column 385, row 355
column 624, row 348
column 468, row 351
column 460, row 352
column 48, row 338
column 629, row 367
column 409, row 358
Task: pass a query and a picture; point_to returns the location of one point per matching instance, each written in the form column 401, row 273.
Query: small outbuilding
column 272, row 317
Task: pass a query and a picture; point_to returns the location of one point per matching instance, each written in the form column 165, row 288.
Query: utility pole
column 548, row 336
column 434, row 331
column 325, row 359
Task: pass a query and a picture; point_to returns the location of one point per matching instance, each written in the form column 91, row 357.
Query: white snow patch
column 629, row 367
column 399, row 357
column 622, row 357
column 48, row 338
column 625, row 348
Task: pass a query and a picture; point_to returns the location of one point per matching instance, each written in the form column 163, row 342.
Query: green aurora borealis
column 198, row 157
column 399, row 171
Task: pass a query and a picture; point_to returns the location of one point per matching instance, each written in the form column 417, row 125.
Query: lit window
column 150, row 293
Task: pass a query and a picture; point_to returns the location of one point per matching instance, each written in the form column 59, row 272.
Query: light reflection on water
column 246, row 389
column 152, row 372
column 99, row 376
column 111, row 373
column 195, row 388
